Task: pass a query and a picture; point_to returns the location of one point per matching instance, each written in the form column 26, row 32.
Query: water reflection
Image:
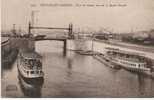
column 145, row 85
column 6, row 66
column 141, row 81
column 69, row 67
column 8, row 61
column 30, row 88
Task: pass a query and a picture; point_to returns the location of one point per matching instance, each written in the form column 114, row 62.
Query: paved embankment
column 144, row 51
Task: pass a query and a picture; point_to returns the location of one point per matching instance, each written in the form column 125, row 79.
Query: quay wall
column 100, row 47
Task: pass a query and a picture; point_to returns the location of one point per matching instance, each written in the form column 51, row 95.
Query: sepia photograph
column 77, row 48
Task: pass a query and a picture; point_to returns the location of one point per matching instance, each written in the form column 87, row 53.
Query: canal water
column 75, row 75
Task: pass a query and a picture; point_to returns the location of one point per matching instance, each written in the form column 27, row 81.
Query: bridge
column 69, row 29
column 57, row 38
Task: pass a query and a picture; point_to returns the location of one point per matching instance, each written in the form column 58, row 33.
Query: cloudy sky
column 136, row 15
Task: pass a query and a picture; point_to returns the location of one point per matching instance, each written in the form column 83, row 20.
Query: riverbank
column 9, row 53
column 11, row 46
column 128, row 45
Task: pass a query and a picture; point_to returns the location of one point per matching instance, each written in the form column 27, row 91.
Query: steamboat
column 129, row 60
column 30, row 65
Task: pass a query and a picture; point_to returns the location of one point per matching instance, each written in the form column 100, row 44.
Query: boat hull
column 31, row 80
column 30, row 89
column 148, row 71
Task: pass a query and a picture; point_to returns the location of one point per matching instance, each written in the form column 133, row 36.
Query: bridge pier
column 65, row 47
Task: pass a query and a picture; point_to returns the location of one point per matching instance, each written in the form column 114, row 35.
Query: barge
column 106, row 61
column 85, row 52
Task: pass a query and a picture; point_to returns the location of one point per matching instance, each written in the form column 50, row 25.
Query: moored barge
column 106, row 61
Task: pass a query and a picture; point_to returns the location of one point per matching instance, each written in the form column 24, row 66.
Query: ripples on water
column 75, row 75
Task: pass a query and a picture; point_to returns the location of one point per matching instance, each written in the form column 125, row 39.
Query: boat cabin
column 30, row 60
column 130, row 59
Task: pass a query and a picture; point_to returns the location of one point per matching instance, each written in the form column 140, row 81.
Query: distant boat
column 106, row 61
column 30, row 65
column 130, row 61
column 84, row 52
column 40, row 37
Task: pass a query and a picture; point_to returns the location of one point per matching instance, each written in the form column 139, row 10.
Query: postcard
column 77, row 49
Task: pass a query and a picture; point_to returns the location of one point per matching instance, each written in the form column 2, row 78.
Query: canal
column 75, row 75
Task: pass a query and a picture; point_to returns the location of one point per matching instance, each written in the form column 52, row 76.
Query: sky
column 137, row 15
